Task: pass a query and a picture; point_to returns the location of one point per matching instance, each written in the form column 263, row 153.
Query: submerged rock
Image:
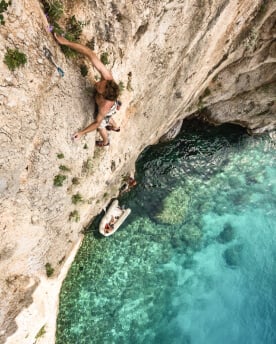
column 192, row 235
column 175, row 208
column 232, row 256
column 227, row 234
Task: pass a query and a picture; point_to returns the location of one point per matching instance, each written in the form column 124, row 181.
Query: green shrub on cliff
column 73, row 32
column 73, row 28
column 14, row 59
column 77, row 198
column 41, row 332
column 60, row 155
column 74, row 215
column 206, row 93
column 83, row 70
column 64, row 168
column 53, row 9
column 3, row 7
column 49, row 269
column 104, row 58
column 121, row 87
column 59, row 179
column 75, row 181
column 88, row 166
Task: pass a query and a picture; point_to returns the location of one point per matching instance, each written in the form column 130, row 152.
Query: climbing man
column 107, row 92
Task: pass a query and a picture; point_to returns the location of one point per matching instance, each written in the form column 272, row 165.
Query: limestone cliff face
column 176, row 58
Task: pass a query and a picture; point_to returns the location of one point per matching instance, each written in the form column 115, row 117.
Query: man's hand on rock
column 61, row 40
column 77, row 136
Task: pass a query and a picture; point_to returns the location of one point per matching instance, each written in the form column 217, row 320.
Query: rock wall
column 214, row 59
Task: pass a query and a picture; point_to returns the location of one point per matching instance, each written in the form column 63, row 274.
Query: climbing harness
column 49, row 56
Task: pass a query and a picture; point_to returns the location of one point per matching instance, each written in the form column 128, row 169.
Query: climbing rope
column 49, row 56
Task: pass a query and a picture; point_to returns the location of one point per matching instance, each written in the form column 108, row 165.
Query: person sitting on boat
column 110, row 226
column 106, row 98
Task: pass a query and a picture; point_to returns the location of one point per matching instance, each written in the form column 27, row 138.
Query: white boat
column 113, row 219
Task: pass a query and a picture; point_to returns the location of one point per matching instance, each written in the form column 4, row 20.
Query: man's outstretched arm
column 97, row 63
column 88, row 129
column 93, row 126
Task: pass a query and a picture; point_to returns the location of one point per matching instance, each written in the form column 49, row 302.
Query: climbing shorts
column 104, row 122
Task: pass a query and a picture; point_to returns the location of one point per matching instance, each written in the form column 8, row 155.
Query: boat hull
column 113, row 211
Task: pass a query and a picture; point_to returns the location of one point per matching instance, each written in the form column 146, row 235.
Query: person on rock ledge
column 107, row 92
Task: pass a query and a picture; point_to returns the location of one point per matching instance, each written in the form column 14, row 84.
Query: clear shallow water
column 196, row 260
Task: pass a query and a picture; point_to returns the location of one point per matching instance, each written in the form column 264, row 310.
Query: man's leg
column 104, row 136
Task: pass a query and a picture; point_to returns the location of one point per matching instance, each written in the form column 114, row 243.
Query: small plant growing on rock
column 83, row 70
column 252, row 40
column 60, row 155
column 14, row 59
column 3, row 7
column 68, row 52
column 74, row 27
column 61, row 260
column 74, row 216
column 53, row 9
column 113, row 166
column 73, row 32
column 215, row 78
column 85, row 146
column 91, row 44
column 41, row 332
column 121, row 87
column 201, row 104
column 104, row 58
column 59, row 179
column 75, row 181
column 87, row 166
column 77, row 198
column 263, row 7
column 206, row 92
column 49, row 269
column 129, row 87
column 64, row 168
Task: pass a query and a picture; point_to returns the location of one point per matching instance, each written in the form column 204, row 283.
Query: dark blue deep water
column 195, row 263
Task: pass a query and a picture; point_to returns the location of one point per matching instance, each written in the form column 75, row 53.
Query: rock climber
column 109, row 227
column 107, row 92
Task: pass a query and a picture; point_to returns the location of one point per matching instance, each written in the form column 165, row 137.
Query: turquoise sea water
column 195, row 262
